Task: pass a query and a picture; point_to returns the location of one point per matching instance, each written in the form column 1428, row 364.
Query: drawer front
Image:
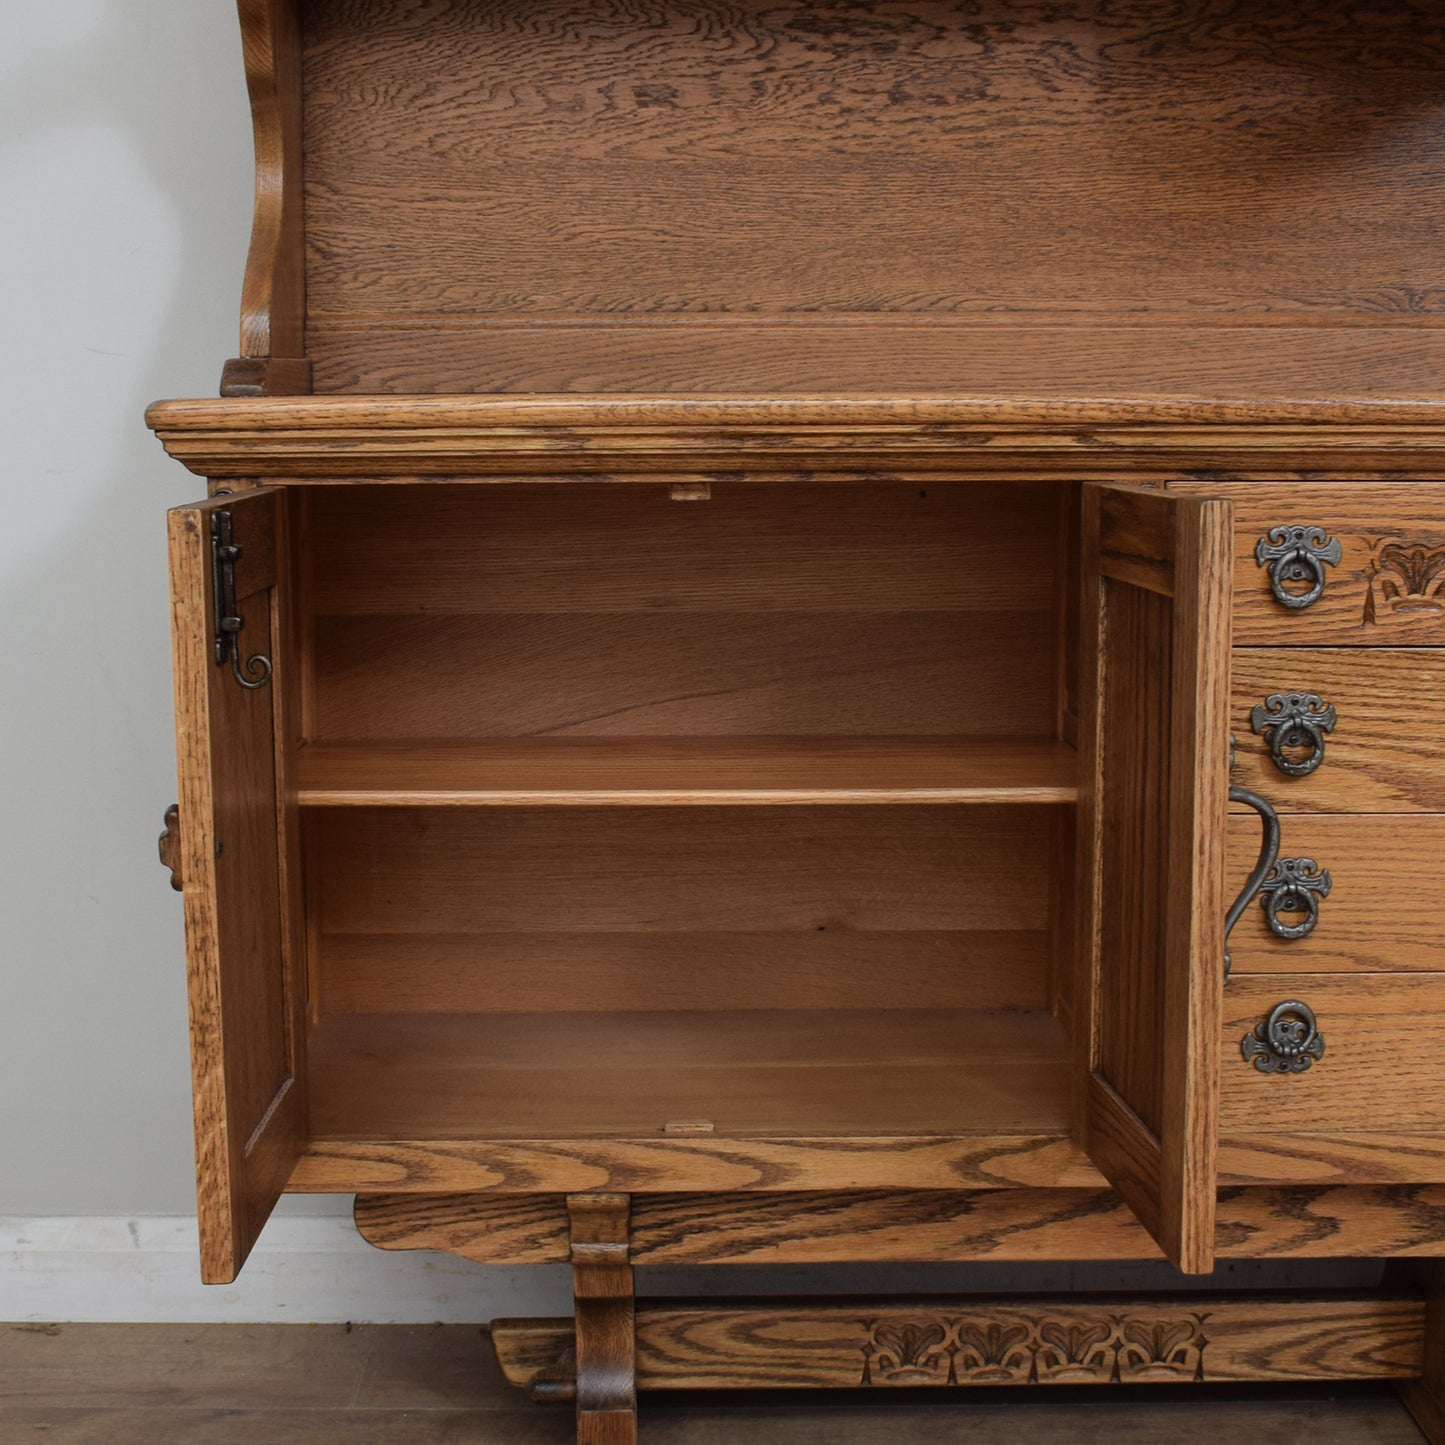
column 1382, row 1067
column 1374, row 740
column 1385, row 905
column 1382, row 573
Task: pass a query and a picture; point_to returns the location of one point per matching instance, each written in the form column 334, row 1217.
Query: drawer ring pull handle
column 1294, row 885
column 1268, row 854
column 1287, row 1042
column 1297, row 554
column 1294, row 720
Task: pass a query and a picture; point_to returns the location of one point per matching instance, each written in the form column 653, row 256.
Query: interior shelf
column 860, row 1072
column 631, row 772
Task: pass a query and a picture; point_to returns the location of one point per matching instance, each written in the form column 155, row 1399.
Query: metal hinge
column 256, row 670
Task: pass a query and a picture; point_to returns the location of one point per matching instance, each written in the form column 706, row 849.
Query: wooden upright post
column 600, row 1229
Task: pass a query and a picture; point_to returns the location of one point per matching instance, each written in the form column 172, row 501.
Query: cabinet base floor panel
column 770, row 1099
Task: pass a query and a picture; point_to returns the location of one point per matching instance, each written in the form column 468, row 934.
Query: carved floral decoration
column 1405, row 582
column 1018, row 1348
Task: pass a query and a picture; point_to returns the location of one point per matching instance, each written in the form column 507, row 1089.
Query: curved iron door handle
column 1268, row 854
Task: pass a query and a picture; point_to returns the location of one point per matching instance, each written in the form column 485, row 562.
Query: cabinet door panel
column 234, row 823
column 1153, row 770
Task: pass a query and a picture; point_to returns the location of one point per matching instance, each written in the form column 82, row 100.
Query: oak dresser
column 818, row 636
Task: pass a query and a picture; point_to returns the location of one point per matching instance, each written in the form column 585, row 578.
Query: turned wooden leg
column 1425, row 1397
column 605, row 1318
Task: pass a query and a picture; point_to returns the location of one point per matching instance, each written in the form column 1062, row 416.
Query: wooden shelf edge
column 700, row 798
column 638, row 437
column 677, row 772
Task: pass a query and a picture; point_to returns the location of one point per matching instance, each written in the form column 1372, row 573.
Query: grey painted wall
column 125, row 168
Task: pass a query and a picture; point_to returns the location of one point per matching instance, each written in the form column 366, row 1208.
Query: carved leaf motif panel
column 1017, row 1349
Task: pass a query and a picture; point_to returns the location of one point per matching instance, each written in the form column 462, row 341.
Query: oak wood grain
column 1153, row 755
column 540, row 971
column 1382, row 1041
column 1388, row 589
column 614, row 169
column 591, row 547
column 898, row 1225
column 1383, row 753
column 848, row 672
column 569, row 772
column 1383, row 910
column 1332, row 1156
column 701, row 1164
column 665, row 870
column 1186, row 361
column 603, row 1319
column 942, row 1342
column 968, row 433
column 250, row 1109
column 580, row 1076
column 273, row 293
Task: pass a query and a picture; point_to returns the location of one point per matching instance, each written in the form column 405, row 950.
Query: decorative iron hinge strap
column 225, row 552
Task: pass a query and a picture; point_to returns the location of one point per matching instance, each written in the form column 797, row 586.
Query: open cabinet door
column 1154, row 780
column 235, row 847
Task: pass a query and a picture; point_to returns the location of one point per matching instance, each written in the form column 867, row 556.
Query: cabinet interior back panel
column 696, row 195
column 534, row 910
column 597, row 610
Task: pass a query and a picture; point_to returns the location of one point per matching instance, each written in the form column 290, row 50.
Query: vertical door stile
column 1154, row 764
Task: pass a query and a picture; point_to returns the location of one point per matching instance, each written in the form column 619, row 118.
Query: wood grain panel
column 596, row 610
column 1136, row 832
column 935, row 355
column 1389, row 587
column 692, row 1163
column 1384, row 753
column 250, row 1115
column 629, row 163
column 1386, row 907
column 631, row 674
column 907, row 1226
column 651, row 870
column 544, row 972
column 1152, row 789
column 590, row 547
column 808, row 1345
column 520, row 1076
column 1382, row 1046
column 1332, row 1157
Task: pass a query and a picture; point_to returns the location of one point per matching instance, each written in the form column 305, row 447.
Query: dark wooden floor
column 438, row 1385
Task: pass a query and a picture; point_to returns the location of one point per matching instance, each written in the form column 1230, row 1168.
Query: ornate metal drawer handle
column 1287, row 1042
column 1268, row 853
column 1295, row 885
column 1297, row 554
column 1294, row 720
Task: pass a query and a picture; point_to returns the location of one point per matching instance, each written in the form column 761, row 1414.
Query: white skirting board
column 315, row 1268
column 304, row 1269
